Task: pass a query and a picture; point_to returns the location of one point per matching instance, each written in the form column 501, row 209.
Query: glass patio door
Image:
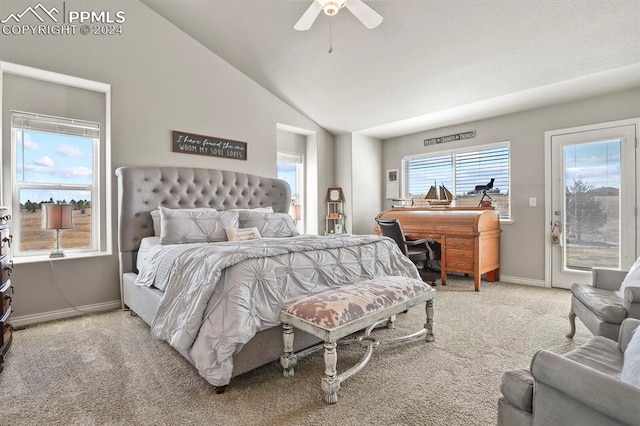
column 593, row 209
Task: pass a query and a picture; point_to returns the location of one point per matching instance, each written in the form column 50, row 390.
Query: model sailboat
column 439, row 197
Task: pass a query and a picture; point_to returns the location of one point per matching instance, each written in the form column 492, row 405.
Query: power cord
column 55, row 285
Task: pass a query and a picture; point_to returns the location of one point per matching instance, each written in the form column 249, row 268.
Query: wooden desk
column 469, row 238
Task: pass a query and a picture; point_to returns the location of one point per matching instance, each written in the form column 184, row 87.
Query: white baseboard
column 23, row 320
column 524, row 281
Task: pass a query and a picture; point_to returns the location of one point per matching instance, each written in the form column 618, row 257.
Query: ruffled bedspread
column 218, row 296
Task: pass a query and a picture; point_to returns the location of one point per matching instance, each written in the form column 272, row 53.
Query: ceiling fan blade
column 309, row 17
column 369, row 17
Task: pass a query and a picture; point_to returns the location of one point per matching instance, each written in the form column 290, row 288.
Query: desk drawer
column 6, row 266
column 459, row 260
column 5, row 342
column 5, row 240
column 6, row 294
column 6, row 326
column 460, row 243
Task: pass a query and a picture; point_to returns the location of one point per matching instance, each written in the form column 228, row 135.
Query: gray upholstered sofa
column 581, row 387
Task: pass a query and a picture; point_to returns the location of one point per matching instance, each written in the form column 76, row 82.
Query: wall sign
column 450, row 138
column 189, row 143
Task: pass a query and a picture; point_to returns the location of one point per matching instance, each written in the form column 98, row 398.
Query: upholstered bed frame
column 143, row 189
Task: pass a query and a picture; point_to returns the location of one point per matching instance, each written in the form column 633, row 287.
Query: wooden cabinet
column 469, row 238
column 6, row 287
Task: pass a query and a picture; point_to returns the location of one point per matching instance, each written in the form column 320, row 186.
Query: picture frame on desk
column 337, row 228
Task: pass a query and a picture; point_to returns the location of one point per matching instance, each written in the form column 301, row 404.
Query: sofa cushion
column 605, row 304
column 631, row 367
column 517, row 388
column 601, row 354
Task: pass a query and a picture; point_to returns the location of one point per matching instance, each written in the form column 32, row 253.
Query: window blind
column 50, row 124
column 420, row 173
column 460, row 172
column 480, row 166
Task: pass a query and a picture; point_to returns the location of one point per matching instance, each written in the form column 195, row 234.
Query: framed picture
column 338, row 228
column 334, row 195
column 393, row 184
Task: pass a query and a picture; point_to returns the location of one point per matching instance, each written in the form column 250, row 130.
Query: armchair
column 582, row 387
column 600, row 306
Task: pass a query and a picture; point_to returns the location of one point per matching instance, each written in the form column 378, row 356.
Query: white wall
column 162, row 80
column 367, row 180
column 291, row 142
column 343, row 166
column 358, row 160
column 522, row 242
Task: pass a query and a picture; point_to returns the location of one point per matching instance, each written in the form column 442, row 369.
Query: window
column 460, row 172
column 291, row 169
column 55, row 160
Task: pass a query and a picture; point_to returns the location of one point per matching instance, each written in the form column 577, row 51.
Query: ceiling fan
column 369, row 17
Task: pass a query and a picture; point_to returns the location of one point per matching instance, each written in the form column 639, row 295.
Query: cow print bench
column 339, row 312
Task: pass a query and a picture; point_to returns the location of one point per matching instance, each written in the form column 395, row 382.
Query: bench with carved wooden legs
column 341, row 311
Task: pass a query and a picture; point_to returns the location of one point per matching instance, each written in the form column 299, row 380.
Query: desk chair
column 418, row 251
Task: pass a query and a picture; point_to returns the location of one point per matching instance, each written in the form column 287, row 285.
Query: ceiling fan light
column 331, row 7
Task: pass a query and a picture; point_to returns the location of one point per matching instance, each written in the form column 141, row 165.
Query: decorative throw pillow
column 155, row 217
column 631, row 365
column 180, row 226
column 270, row 225
column 632, row 279
column 242, row 234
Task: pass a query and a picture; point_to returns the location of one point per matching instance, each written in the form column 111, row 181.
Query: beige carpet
column 106, row 369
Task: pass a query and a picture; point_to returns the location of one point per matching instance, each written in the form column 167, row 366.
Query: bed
column 216, row 301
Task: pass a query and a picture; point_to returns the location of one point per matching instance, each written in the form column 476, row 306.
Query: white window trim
column 93, row 188
column 102, row 187
column 298, row 159
column 405, row 158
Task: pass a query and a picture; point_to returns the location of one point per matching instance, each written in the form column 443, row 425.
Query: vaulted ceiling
column 430, row 63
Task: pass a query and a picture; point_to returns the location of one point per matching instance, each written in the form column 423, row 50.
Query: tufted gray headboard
column 143, row 189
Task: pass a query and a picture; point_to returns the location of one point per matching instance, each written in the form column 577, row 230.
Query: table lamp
column 57, row 216
column 295, row 212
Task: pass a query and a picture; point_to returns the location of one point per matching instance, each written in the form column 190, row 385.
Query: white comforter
column 218, row 296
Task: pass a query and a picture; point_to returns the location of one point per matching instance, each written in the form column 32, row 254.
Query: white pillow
column 631, row 365
column 146, row 244
column 242, row 234
column 632, row 279
column 270, row 225
column 155, row 217
column 180, row 226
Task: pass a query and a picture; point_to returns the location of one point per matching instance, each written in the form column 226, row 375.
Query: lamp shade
column 295, row 212
column 57, row 216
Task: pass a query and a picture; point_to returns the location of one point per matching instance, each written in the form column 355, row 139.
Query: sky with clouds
column 597, row 164
column 53, row 159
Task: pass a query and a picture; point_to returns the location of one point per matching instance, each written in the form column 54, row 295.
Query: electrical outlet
column 532, row 201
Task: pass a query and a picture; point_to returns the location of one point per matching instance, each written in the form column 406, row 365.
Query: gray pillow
column 179, row 226
column 155, row 217
column 270, row 225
